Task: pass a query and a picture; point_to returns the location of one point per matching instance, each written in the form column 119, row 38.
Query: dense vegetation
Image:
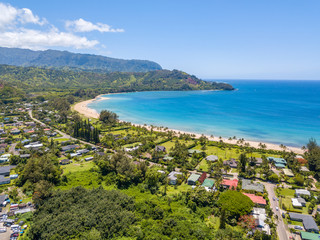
column 68, row 60
column 84, row 214
column 90, row 84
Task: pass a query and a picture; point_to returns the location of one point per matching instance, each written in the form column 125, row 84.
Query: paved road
column 64, row 135
column 13, row 149
column 281, row 228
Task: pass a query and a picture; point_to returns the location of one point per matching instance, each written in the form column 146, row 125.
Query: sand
column 83, row 109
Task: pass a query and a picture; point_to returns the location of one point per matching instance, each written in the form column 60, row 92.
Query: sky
column 212, row 39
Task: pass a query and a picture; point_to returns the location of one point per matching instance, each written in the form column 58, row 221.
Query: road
column 13, row 149
column 281, row 228
column 64, row 135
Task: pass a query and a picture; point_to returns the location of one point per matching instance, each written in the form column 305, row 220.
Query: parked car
column 274, row 198
column 298, row 227
column 3, row 229
column 277, row 208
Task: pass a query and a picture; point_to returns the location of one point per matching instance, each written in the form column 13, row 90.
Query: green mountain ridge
column 35, row 79
column 67, row 60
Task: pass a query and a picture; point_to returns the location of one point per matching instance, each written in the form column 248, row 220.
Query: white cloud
column 16, row 31
column 82, row 25
column 35, row 39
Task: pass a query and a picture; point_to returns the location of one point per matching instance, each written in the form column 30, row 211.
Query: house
column 3, row 197
column 173, row 176
column 4, row 180
column 25, row 155
column 260, row 216
column 30, row 124
column 302, row 192
column 308, row 222
column 231, row 184
column 256, row 199
column 192, row 180
column 82, row 151
column 288, row 172
column 298, row 202
column 277, row 160
column 15, row 131
column 88, row 159
column 249, row 185
column 279, row 165
column 208, row 183
column 304, row 169
column 160, row 149
column 309, row 236
column 232, row 163
column 212, row 158
column 5, row 157
column 167, row 158
column 69, row 147
column 192, row 151
column 64, row 161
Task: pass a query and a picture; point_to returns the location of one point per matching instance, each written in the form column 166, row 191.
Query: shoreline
column 82, row 108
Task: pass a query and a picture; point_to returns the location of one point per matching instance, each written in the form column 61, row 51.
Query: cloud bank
column 22, row 28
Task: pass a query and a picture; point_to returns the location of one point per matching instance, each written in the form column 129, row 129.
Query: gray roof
column 174, row 175
column 3, row 197
column 302, row 192
column 248, row 185
column 307, row 220
column 5, row 170
column 160, row 148
column 194, row 177
column 212, row 158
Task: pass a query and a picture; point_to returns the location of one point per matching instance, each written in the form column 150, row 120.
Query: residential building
column 302, row 192
column 309, row 236
column 160, row 148
column 232, row 163
column 250, row 185
column 288, row 172
column 192, row 151
column 4, row 180
column 192, row 180
column 231, row 184
column 308, row 222
column 298, row 202
column 208, row 183
column 212, row 158
column 173, row 176
column 259, row 200
column 5, row 171
column 69, row 147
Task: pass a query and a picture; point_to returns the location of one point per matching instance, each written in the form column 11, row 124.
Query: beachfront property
column 250, row 185
column 258, row 200
column 308, row 222
column 192, row 180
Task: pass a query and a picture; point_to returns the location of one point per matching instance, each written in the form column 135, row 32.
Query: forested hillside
column 68, row 60
column 32, row 80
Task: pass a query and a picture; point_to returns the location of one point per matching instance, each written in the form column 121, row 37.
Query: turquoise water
column 286, row 112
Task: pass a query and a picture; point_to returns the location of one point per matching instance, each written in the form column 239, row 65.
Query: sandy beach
column 83, row 109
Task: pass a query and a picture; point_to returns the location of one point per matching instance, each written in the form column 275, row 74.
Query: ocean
column 280, row 112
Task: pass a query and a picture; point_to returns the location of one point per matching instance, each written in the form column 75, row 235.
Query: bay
column 281, row 112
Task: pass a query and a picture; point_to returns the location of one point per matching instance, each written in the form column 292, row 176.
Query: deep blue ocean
column 286, row 112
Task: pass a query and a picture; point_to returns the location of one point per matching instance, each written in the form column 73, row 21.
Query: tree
column 235, row 204
column 108, row 117
column 152, row 180
column 243, row 162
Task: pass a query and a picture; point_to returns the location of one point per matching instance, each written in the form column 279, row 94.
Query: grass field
column 203, row 165
column 76, row 167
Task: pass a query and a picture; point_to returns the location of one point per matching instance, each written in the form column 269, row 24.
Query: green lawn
column 76, row 167
column 287, row 192
column 203, row 165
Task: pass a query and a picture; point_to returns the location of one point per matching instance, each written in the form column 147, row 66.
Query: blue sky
column 247, row 39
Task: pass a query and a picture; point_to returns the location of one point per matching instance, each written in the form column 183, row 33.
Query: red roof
column 46, row 129
column 230, row 183
column 256, row 199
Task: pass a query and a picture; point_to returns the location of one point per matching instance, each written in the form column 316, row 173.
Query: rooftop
column 208, row 183
column 212, row 158
column 288, row 172
column 256, row 199
column 249, row 185
column 309, row 236
column 231, row 183
column 307, row 220
column 194, row 177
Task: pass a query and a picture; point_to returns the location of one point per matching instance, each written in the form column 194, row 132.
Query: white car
column 3, row 229
column 277, row 208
